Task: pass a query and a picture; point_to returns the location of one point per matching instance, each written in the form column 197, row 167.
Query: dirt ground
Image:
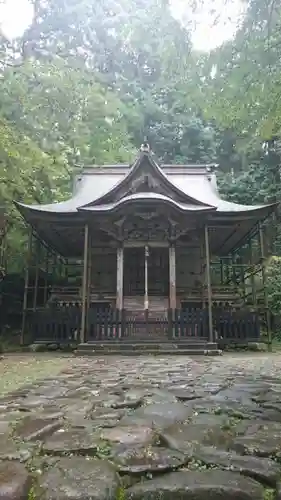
column 17, row 370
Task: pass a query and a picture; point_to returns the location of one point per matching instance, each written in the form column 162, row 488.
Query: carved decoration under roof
column 145, row 226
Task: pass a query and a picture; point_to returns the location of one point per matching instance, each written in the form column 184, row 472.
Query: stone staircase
column 155, row 346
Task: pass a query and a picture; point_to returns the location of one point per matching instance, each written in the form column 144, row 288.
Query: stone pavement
column 146, row 428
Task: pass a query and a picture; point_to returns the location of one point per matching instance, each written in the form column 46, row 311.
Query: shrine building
column 158, row 256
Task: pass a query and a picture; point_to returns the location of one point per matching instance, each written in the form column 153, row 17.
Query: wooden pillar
column 37, row 260
column 209, row 286
column 232, row 273
column 172, row 274
column 253, row 284
column 89, row 268
column 221, row 272
column 66, row 270
column 146, row 256
column 227, row 271
column 26, row 284
column 89, row 273
column 264, row 279
column 3, row 245
column 120, row 278
column 84, row 284
column 202, row 269
column 242, row 281
column 46, row 277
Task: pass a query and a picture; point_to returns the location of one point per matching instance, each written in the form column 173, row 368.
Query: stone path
column 146, row 428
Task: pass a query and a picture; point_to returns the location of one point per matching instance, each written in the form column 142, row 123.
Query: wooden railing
column 58, row 325
column 104, row 324
column 236, row 326
column 62, row 325
column 147, row 325
column 186, row 323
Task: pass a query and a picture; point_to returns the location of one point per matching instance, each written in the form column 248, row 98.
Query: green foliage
column 51, row 117
column 274, row 285
column 245, row 92
column 89, row 79
column 269, row 494
column 121, row 494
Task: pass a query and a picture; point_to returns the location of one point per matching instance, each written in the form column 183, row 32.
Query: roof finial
column 145, row 148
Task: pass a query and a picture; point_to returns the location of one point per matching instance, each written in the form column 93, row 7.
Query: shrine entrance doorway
column 157, row 261
column 134, row 271
column 158, row 272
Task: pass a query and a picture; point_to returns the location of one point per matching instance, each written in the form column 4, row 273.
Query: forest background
column 88, row 80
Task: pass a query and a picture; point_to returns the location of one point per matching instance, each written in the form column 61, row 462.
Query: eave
column 145, row 198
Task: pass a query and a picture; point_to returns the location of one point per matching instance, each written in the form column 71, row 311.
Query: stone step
column 126, row 348
column 152, row 339
column 140, row 346
column 140, row 352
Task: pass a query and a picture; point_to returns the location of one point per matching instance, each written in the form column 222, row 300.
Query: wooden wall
column 189, row 267
column 103, row 271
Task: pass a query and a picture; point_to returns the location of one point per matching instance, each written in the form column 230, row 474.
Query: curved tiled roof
column 194, row 182
column 188, row 189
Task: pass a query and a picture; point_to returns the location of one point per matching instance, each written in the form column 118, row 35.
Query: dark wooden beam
column 26, row 283
column 84, row 284
column 209, row 286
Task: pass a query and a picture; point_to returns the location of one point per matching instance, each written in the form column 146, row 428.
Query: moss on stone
column 269, row 494
column 120, row 495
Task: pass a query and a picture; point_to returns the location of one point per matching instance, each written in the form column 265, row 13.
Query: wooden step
column 136, row 303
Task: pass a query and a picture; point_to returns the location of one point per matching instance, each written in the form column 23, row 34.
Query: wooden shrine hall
column 146, row 253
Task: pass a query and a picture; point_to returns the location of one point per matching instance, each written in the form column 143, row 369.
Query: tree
column 51, row 118
column 106, row 39
column 245, row 92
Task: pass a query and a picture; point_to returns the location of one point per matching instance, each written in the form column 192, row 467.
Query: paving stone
column 187, row 485
column 272, row 406
column 210, row 430
column 32, row 428
column 79, row 441
column 9, row 450
column 164, row 412
column 15, row 481
column 128, row 403
column 228, row 407
column 157, row 395
column 107, row 414
column 50, row 390
column 129, row 435
column 187, row 394
column 5, row 427
column 76, row 478
column 261, row 439
column 263, row 470
column 141, row 459
column 149, row 415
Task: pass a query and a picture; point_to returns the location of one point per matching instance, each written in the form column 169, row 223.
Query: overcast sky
column 211, row 29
